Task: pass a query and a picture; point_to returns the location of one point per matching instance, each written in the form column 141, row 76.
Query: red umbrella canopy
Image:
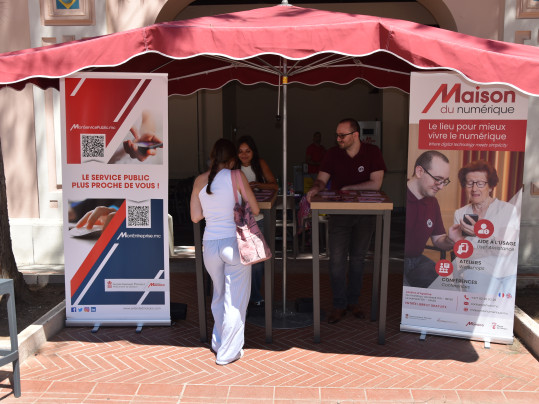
column 261, row 45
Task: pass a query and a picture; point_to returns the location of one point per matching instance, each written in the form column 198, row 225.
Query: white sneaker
column 240, row 355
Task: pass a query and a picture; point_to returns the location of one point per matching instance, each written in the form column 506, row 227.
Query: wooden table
column 356, row 203
column 266, row 202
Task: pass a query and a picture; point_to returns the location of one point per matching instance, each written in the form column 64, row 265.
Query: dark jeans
column 349, row 236
column 257, row 274
column 419, row 272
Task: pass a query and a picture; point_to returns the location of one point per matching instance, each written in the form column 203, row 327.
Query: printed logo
column 93, row 309
column 473, row 324
column 429, row 223
column 86, row 309
column 463, row 249
column 109, row 284
column 478, row 96
column 361, row 169
column 73, row 310
column 444, row 268
column 483, row 228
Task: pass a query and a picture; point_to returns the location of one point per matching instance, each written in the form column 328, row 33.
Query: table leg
column 383, row 279
column 316, row 275
column 200, row 284
column 376, row 269
column 273, row 218
column 269, row 230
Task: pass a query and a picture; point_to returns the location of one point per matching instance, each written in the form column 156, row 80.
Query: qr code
column 92, row 146
column 138, row 216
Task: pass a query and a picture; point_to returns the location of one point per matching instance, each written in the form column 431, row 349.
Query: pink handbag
column 251, row 244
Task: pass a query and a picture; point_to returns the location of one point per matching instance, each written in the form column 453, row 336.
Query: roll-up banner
column 464, row 191
column 115, row 198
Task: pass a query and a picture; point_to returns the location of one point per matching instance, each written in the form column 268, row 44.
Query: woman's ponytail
column 223, row 151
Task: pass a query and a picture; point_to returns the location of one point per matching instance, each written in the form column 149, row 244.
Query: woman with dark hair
column 259, row 176
column 494, row 240
column 213, row 199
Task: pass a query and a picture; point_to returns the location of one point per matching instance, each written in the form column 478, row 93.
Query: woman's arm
column 249, row 195
column 196, row 208
column 271, row 182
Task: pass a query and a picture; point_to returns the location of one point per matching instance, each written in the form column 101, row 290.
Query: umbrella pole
column 284, row 319
column 285, row 182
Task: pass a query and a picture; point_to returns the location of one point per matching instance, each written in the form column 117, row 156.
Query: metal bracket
column 96, row 328
column 423, row 335
column 139, row 328
column 487, row 343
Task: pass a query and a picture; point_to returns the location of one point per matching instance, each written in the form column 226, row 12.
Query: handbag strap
column 236, row 177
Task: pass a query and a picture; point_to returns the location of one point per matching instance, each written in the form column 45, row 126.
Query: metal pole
column 285, row 182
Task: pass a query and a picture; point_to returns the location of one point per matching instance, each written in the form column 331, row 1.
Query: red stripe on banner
column 491, row 135
column 98, row 249
column 135, row 99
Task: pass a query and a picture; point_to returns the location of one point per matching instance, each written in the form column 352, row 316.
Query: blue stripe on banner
column 139, row 255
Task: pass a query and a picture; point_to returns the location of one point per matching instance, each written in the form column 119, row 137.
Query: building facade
column 30, row 124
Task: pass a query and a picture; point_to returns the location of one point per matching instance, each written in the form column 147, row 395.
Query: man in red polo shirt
column 352, row 165
column 424, row 219
column 314, row 154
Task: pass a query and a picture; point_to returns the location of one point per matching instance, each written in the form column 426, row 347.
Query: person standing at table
column 424, row 218
column 351, row 165
column 259, row 176
column 213, row 199
column 315, row 154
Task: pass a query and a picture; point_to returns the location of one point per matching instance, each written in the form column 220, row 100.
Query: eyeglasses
column 480, row 184
column 437, row 180
column 342, row 136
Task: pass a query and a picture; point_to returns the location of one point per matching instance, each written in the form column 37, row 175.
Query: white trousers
column 231, row 290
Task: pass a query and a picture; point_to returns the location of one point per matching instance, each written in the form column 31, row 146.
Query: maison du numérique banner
column 473, row 295
column 115, row 198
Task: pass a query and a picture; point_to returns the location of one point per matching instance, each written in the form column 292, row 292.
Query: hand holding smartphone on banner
column 469, row 221
column 145, row 142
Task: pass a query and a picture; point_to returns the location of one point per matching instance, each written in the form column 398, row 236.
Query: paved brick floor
column 171, row 365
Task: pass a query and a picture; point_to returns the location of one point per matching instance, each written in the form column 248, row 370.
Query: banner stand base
column 117, row 323
column 487, row 339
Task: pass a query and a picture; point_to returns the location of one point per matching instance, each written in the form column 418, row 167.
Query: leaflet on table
column 263, row 195
column 352, row 196
column 115, row 194
column 473, row 294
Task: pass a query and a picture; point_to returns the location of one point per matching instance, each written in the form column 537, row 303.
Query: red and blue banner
column 115, row 196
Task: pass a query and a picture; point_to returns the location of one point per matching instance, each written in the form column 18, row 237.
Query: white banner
column 115, row 198
column 466, row 157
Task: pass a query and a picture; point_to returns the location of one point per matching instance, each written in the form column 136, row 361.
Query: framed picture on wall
column 67, row 12
column 527, row 8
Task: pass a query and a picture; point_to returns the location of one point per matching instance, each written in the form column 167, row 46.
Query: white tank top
column 218, row 208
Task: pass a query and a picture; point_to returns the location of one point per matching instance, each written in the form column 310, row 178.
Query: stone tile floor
column 171, row 365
